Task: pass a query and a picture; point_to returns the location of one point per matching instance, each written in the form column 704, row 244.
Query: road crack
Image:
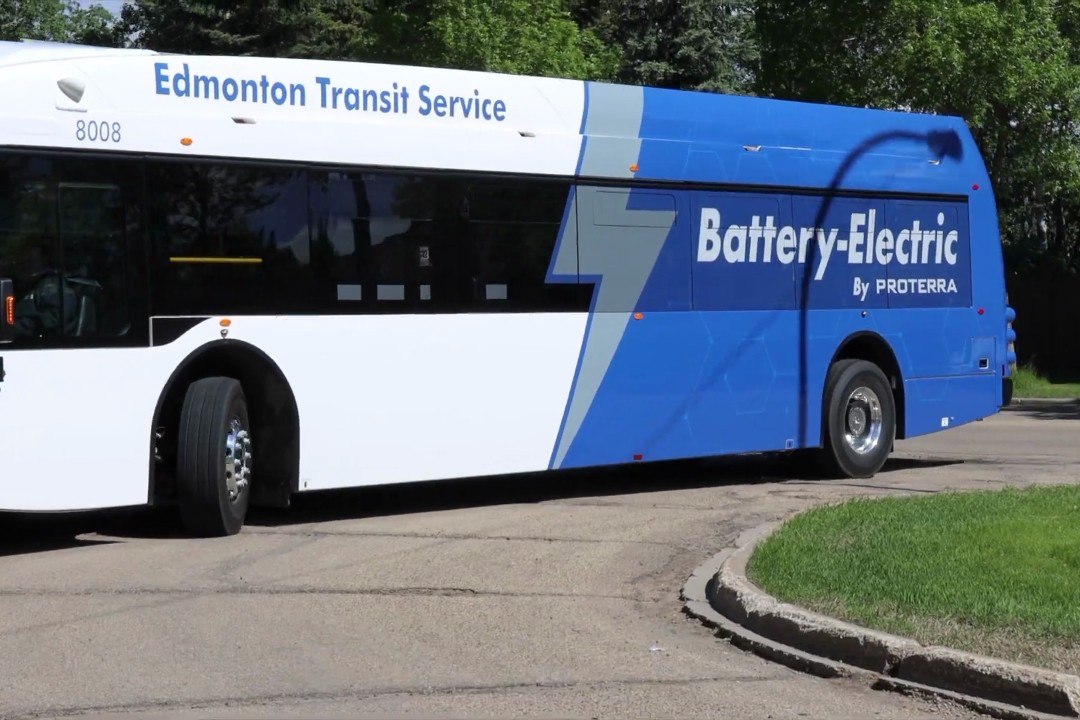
column 456, row 536
column 329, row 592
column 262, row 700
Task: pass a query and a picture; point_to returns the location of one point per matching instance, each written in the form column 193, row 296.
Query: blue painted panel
column 958, row 400
column 930, row 257
column 746, row 398
column 859, row 253
column 707, row 137
column 701, row 384
column 727, row 357
column 744, row 250
column 642, row 403
column 838, row 267
column 669, row 285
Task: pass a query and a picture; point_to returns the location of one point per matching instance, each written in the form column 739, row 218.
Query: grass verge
column 995, row 573
column 1028, row 383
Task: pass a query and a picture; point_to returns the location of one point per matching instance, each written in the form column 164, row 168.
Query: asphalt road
column 529, row 599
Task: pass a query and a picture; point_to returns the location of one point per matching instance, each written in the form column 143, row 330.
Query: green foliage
column 275, row 28
column 835, row 51
column 1029, row 383
column 1009, row 67
column 94, row 26
column 532, row 37
column 1006, row 68
column 55, row 20
column 688, row 44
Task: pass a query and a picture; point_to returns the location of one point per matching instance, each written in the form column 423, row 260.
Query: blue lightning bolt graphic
column 618, row 249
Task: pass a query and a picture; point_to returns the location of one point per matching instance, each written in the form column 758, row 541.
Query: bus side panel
column 75, row 427
column 644, row 349
column 939, row 403
column 948, row 353
column 701, row 356
column 403, row 398
column 76, row 424
column 819, row 146
column 744, row 290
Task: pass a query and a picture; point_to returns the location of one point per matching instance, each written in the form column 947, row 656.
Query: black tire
column 211, row 406
column 841, row 459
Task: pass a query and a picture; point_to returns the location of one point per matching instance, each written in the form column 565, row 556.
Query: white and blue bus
column 228, row 280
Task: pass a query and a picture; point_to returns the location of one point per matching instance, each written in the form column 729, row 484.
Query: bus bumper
column 1006, row 391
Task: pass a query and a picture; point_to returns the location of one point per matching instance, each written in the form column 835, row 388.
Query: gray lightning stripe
column 618, row 245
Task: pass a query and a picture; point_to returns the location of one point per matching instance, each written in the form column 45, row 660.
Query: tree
column 692, row 44
column 1008, row 67
column 534, row 37
column 327, row 29
column 94, row 26
column 55, row 20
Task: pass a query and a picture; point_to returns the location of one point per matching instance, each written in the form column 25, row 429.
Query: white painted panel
column 407, row 398
column 537, row 129
column 381, row 399
column 75, row 425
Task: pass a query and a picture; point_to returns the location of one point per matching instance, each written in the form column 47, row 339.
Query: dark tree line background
column 1011, row 68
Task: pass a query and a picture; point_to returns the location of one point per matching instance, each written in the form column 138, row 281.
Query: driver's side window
column 66, row 228
column 28, row 243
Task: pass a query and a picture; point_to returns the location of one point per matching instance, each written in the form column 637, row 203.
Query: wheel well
column 272, row 408
column 873, row 348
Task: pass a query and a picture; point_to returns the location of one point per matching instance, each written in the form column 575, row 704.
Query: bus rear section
column 774, row 320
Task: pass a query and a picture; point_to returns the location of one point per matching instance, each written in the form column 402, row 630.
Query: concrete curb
column 721, row 596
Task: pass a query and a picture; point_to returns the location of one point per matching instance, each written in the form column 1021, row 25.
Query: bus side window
column 229, row 238
column 512, row 232
column 67, row 227
column 94, row 237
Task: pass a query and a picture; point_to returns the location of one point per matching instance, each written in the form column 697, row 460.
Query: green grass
column 1028, row 383
column 996, row 573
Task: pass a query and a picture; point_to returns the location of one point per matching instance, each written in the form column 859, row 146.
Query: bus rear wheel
column 860, row 419
column 213, row 464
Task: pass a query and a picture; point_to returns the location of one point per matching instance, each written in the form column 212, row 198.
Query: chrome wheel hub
column 862, row 421
column 237, row 459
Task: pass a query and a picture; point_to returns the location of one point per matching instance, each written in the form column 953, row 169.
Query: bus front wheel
column 214, row 458
column 859, row 419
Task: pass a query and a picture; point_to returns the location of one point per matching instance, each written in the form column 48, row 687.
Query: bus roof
column 337, row 112
column 29, row 51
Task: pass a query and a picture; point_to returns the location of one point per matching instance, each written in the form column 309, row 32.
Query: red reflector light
column 982, row 311
column 638, row 456
column 975, row 186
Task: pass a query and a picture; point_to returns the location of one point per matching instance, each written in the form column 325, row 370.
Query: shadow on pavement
column 1046, row 409
column 28, row 534
column 23, row 534
column 488, row 492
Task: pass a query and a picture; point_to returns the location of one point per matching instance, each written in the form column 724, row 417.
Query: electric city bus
column 229, row 280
